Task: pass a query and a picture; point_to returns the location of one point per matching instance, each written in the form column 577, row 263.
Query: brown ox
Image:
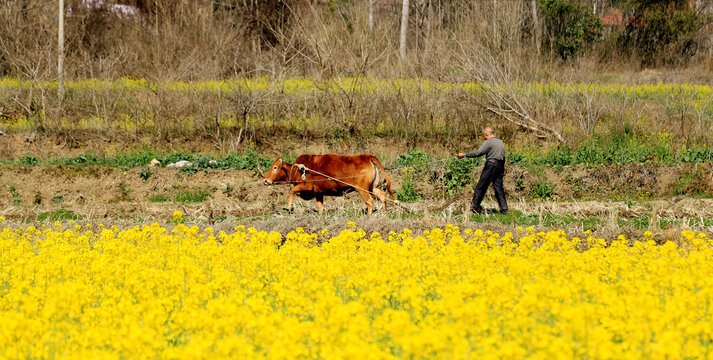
column 317, row 176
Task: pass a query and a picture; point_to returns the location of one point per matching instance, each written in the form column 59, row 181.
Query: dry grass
column 613, row 218
column 241, row 114
column 188, row 40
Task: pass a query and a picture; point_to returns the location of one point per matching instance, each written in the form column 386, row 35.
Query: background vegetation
column 549, row 74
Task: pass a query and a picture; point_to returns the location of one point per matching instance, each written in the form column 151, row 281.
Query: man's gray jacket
column 493, row 149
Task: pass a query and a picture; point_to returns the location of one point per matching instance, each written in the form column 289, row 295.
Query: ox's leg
column 320, row 202
column 368, row 200
column 295, row 189
column 381, row 196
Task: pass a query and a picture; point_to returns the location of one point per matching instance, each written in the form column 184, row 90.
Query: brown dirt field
column 117, row 197
column 614, row 195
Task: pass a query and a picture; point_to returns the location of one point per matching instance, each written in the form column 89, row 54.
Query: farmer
column 493, row 171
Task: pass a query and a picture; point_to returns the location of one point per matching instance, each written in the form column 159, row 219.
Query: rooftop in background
column 612, row 17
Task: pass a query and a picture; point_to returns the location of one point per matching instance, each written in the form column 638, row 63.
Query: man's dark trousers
column 493, row 172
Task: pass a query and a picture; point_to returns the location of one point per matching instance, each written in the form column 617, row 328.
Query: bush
column 458, row 173
column 560, row 156
column 415, row 158
column 570, row 27
column 28, row 160
column 663, row 31
column 516, row 158
column 146, row 174
column 542, row 189
column 408, row 191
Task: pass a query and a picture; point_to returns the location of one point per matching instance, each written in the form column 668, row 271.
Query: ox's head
column 277, row 173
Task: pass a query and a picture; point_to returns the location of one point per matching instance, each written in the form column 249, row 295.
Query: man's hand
column 461, row 155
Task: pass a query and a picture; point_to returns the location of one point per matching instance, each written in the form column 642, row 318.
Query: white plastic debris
column 180, row 164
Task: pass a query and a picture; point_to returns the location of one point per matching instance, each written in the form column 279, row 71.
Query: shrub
column 414, row 158
column 458, row 173
column 516, row 158
column 542, row 189
column 570, row 27
column 28, row 160
column 663, row 31
column 408, row 191
column 146, row 174
column 560, row 156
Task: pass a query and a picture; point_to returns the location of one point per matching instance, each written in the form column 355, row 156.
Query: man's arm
column 480, row 152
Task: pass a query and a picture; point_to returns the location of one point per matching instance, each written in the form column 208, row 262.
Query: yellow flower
column 177, row 217
column 183, row 292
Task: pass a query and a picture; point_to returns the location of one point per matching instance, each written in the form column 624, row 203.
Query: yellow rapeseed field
column 369, row 85
column 152, row 292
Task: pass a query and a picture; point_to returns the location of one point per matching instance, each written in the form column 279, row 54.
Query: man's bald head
column 488, row 132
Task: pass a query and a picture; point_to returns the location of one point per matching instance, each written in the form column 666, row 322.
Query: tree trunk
column 495, row 19
column 371, row 15
column 535, row 27
column 404, row 28
column 430, row 18
column 60, row 52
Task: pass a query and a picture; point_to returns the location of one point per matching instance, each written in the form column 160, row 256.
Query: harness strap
column 303, row 170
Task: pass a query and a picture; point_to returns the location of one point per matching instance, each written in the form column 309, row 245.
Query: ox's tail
column 376, row 161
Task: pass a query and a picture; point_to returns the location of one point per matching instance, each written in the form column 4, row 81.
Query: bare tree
column 505, row 97
column 535, row 27
column 404, row 28
column 371, row 15
column 495, row 18
column 585, row 109
column 60, row 52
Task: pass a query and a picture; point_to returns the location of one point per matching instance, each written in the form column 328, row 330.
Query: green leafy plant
column 458, row 173
column 542, row 189
column 516, row 158
column 159, row 198
column 28, row 160
column 408, row 191
column 417, row 159
column 191, row 196
column 570, row 26
column 228, row 189
column 16, row 200
column 146, row 174
column 124, row 192
column 59, row 215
